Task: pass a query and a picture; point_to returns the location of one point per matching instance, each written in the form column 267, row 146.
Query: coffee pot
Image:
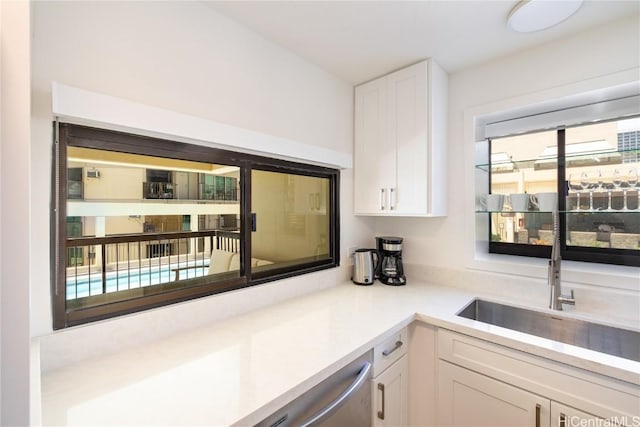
column 390, row 270
column 365, row 264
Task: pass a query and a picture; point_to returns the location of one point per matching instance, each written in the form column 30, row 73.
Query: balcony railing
column 157, row 190
column 100, row 265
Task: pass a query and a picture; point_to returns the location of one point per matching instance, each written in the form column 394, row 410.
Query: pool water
column 87, row 285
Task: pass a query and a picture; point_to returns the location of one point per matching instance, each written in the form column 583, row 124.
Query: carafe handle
column 378, row 263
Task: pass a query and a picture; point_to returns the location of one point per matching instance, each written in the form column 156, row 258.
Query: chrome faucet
column 556, row 299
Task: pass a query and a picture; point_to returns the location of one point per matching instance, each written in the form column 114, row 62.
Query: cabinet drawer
column 596, row 394
column 389, row 350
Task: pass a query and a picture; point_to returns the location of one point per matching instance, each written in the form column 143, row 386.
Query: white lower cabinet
column 566, row 416
column 484, row 384
column 390, row 383
column 423, row 387
column 390, row 395
column 470, row 399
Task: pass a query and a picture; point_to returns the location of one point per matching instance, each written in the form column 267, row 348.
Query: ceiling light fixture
column 535, row 15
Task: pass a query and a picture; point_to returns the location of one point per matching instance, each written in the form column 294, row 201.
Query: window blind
column 599, row 105
column 582, row 114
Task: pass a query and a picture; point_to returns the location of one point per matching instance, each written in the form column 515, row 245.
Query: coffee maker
column 390, row 271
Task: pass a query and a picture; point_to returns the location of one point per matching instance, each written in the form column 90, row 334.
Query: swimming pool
column 85, row 285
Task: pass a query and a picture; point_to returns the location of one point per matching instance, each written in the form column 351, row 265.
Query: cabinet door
column 390, row 395
column 407, row 132
column 374, row 158
column 566, row 416
column 400, row 143
column 470, row 399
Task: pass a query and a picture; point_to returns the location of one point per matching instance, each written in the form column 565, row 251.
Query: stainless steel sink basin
column 605, row 339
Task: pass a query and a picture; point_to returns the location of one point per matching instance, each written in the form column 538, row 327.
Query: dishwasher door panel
column 342, row 400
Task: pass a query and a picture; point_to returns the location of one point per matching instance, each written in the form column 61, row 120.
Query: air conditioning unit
column 93, row 173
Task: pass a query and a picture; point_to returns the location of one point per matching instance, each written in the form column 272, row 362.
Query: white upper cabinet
column 400, row 143
column 374, row 158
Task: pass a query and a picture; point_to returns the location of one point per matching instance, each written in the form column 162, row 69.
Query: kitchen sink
column 619, row 342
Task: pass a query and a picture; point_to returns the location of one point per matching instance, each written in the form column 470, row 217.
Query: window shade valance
column 589, row 107
column 607, row 110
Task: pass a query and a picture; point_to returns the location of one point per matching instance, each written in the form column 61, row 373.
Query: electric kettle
column 364, row 267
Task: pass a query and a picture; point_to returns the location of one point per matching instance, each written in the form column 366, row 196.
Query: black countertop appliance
column 390, row 270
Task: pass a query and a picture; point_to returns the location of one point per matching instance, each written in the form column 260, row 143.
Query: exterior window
column 588, row 172
column 514, row 173
column 74, row 183
column 160, row 222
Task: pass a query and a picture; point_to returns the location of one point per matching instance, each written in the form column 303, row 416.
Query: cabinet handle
column 538, row 407
column 562, row 420
column 392, row 200
column 382, row 199
column 395, row 347
column 280, row 420
column 381, row 413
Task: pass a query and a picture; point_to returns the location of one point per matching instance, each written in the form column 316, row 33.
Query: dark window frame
column 89, row 137
column 613, row 256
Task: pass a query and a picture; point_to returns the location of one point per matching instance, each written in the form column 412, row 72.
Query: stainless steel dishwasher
column 342, row 400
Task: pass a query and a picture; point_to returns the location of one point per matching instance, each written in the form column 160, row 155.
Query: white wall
column 14, row 214
column 115, row 183
column 580, row 61
column 184, row 57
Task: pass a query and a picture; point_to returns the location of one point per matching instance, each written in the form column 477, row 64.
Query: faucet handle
column 564, row 299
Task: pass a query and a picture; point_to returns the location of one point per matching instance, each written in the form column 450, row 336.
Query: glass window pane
column 602, row 173
column 292, row 219
column 140, row 225
column 524, row 172
column 143, row 227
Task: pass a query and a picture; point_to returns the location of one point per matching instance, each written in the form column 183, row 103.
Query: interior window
column 140, row 225
column 292, row 221
column 141, row 222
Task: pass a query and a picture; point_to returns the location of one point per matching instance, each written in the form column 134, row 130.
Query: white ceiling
column 360, row 40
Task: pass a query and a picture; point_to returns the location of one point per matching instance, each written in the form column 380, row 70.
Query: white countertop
column 242, row 369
